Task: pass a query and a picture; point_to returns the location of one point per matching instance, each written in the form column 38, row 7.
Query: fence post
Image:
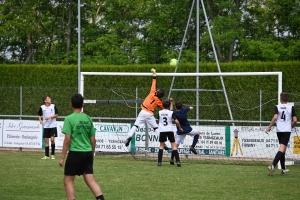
column 260, row 104
column 136, row 98
column 21, row 99
column 146, row 140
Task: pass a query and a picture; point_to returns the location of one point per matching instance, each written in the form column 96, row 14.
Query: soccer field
column 24, row 176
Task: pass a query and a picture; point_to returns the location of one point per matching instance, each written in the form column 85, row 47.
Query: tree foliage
column 141, row 31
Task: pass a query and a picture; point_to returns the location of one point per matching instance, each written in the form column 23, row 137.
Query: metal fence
column 123, row 104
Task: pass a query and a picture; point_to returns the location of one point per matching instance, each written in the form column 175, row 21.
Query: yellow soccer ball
column 173, row 62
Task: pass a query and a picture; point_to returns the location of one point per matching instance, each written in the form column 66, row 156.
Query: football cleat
column 192, row 149
column 284, row 171
column 128, row 141
column 271, row 170
column 171, row 162
column 178, row 164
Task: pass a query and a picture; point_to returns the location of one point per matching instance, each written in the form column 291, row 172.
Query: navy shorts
column 163, row 136
column 283, row 137
column 79, row 163
column 50, row 132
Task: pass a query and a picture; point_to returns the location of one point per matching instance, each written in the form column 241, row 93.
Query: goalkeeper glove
column 153, row 71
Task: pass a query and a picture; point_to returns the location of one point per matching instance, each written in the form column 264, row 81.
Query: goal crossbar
column 181, row 74
column 279, row 74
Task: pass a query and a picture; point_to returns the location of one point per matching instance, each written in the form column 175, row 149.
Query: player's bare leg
column 69, row 187
column 92, row 184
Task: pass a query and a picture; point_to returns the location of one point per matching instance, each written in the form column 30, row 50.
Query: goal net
column 231, row 121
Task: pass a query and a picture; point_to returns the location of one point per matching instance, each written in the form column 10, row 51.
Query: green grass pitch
column 24, row 176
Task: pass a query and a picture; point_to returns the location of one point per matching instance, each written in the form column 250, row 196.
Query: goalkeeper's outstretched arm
column 153, row 86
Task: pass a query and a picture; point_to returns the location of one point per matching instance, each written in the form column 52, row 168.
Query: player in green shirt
column 80, row 142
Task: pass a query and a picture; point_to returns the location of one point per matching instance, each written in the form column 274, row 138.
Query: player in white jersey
column 165, row 127
column 286, row 119
column 47, row 116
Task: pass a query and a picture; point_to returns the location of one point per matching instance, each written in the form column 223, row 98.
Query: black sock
column 195, row 140
column 277, row 158
column 100, row 197
column 160, row 154
column 172, row 155
column 282, row 161
column 47, row 151
column 52, row 149
column 175, row 152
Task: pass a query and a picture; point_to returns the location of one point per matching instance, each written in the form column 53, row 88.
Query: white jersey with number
column 285, row 116
column 165, row 120
column 49, row 111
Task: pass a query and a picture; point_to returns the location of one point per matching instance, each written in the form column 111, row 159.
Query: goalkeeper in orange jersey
column 146, row 115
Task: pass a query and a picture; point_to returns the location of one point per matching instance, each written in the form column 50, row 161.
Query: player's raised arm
column 153, row 86
column 172, row 102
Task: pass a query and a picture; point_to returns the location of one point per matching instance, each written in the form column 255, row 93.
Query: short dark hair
column 178, row 105
column 166, row 103
column 284, row 96
column 160, row 93
column 77, row 100
column 45, row 97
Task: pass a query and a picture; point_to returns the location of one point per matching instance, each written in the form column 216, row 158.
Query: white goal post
column 216, row 140
column 279, row 74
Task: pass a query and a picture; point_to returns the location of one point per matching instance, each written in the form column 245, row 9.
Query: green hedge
column 66, row 76
column 61, row 82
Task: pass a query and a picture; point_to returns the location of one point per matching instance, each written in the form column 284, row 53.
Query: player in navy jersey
column 286, row 119
column 181, row 116
column 165, row 127
column 47, row 116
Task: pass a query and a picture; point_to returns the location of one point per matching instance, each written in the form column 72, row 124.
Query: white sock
column 132, row 131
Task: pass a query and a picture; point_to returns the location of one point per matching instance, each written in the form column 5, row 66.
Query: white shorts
column 145, row 117
column 180, row 138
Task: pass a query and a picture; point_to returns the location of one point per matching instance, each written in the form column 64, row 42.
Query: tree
column 143, row 31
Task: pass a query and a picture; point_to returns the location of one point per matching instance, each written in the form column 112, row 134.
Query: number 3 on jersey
column 165, row 121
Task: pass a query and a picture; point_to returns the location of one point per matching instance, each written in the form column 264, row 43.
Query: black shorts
column 163, row 136
column 50, row 132
column 284, row 137
column 79, row 163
